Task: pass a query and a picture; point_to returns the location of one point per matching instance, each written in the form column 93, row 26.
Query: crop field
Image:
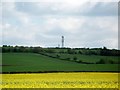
column 31, row 62
column 60, row 80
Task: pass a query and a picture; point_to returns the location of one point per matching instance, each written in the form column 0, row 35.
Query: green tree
column 74, row 58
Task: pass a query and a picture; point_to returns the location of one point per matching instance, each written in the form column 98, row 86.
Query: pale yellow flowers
column 60, row 80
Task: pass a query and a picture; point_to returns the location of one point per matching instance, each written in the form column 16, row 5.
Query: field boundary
column 59, row 72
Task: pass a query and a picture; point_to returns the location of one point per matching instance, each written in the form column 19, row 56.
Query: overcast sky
column 83, row 24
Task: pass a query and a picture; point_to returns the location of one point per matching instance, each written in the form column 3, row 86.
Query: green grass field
column 87, row 58
column 24, row 62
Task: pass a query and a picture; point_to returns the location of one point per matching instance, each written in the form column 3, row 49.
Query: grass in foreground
column 60, row 80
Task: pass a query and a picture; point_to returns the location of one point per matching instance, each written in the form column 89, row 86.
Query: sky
column 83, row 23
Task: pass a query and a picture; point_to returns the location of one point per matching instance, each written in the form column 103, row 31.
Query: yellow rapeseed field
column 60, row 80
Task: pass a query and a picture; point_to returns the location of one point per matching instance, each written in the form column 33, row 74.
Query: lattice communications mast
column 62, row 41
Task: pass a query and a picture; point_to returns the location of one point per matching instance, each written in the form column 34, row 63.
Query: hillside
column 31, row 62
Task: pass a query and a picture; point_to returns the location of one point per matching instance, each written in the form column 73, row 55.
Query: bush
column 57, row 56
column 111, row 62
column 74, row 58
column 68, row 58
column 80, row 52
column 101, row 61
column 78, row 61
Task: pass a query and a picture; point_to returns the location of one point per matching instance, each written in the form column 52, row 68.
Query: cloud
column 86, row 24
column 68, row 24
column 104, row 9
column 66, row 1
column 71, row 8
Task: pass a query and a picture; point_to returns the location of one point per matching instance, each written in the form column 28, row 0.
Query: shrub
column 74, row 58
column 68, row 58
column 101, row 61
column 111, row 62
column 78, row 61
column 57, row 56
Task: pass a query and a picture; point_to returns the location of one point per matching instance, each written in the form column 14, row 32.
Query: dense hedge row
column 86, row 51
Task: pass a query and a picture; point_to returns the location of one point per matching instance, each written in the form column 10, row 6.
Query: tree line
column 86, row 51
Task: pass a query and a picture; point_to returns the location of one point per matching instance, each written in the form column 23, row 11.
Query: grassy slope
column 94, row 58
column 87, row 58
column 35, row 62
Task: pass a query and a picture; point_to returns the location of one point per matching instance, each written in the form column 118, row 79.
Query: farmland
column 71, row 70
column 61, row 80
column 32, row 62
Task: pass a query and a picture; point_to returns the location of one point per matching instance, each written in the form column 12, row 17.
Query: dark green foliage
column 78, row 61
column 58, row 56
column 71, row 51
column 74, row 58
column 68, row 58
column 85, row 51
column 102, row 61
column 105, row 61
column 50, row 51
column 111, row 62
column 107, row 52
column 80, row 52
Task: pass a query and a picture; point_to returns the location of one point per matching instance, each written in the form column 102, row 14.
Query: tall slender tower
column 62, row 41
